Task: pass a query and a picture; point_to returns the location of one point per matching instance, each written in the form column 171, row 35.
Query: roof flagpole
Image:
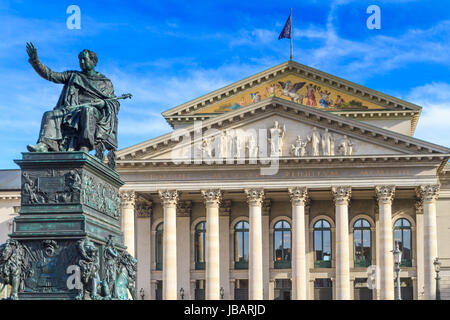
column 291, row 35
column 287, row 31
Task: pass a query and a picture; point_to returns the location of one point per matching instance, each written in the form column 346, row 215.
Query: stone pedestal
column 70, row 207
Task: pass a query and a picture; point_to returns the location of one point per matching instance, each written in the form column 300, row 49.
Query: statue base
column 69, row 218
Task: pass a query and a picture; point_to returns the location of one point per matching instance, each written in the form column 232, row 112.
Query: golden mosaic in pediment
column 297, row 89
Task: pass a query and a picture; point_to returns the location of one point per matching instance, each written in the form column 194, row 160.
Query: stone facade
column 285, row 172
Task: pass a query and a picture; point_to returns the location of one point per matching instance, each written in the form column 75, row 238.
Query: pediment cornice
column 345, row 125
column 188, row 111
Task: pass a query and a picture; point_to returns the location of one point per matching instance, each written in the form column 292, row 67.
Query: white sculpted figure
column 238, row 145
column 206, row 148
column 222, row 138
column 327, row 142
column 276, row 139
column 230, row 144
column 252, row 147
column 298, row 149
column 314, row 139
column 345, row 146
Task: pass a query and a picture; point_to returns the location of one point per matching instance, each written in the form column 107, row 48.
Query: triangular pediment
column 350, row 138
column 294, row 82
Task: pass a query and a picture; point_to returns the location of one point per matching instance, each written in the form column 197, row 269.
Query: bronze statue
column 14, row 267
column 85, row 116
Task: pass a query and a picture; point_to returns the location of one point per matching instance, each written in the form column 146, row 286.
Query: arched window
column 282, row 245
column 362, row 244
column 403, row 235
column 241, row 230
column 159, row 246
column 322, row 244
column 200, row 245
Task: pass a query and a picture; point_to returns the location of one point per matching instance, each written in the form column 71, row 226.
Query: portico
column 277, row 199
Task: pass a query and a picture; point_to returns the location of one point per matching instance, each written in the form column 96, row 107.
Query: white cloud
column 434, row 124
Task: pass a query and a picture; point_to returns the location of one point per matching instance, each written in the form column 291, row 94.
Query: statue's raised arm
column 85, row 116
column 44, row 71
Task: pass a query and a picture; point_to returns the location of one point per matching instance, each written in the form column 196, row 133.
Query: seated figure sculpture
column 85, row 116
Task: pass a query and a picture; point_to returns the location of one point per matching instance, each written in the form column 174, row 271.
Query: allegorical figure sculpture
column 85, row 116
column 314, row 139
column 327, row 143
column 276, row 139
column 252, row 147
column 298, row 149
column 14, row 267
column 345, row 146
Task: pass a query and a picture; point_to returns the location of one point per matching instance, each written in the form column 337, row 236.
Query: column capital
column 298, row 195
column 418, row 205
column 184, row 208
column 428, row 192
column 127, row 198
column 212, row 197
column 341, row 193
column 169, row 198
column 143, row 207
column 255, row 197
column 385, row 194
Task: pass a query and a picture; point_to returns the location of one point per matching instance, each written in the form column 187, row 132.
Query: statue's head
column 275, row 124
column 88, row 60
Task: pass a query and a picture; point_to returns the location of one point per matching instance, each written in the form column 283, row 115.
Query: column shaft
column 299, row 271
column 429, row 195
column 212, row 201
column 385, row 276
column 127, row 202
column 341, row 199
column 255, row 271
column 169, row 199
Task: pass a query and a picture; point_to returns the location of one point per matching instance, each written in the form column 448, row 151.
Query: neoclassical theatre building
column 289, row 184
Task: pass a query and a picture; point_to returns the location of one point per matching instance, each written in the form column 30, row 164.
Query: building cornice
column 363, row 159
column 291, row 67
column 280, row 106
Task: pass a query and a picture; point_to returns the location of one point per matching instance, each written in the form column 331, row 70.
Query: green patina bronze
column 85, row 116
column 67, row 242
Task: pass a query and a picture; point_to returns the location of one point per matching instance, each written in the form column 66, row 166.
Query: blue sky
column 168, row 52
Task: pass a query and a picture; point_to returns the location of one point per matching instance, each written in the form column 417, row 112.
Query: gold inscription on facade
column 300, row 173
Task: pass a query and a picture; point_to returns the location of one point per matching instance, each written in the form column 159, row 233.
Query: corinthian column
column 341, row 197
column 299, row 196
column 429, row 194
column 127, row 202
column 255, row 198
column 212, row 201
column 385, row 195
column 169, row 199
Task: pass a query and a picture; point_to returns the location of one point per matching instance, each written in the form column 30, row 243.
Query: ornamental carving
column 169, row 197
column 266, row 206
column 14, row 267
column 225, row 207
column 143, row 207
column 418, row 204
column 100, row 196
column 428, row 192
column 385, row 193
column 72, row 186
column 212, row 197
column 127, row 197
column 255, row 197
column 51, row 186
column 184, row 208
column 298, row 195
column 341, row 193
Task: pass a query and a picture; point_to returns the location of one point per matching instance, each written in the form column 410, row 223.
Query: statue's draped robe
column 88, row 124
